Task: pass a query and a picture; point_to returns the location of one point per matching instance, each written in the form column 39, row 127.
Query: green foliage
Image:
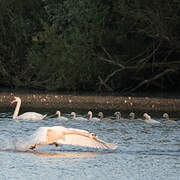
column 59, row 65
column 19, row 20
column 90, row 45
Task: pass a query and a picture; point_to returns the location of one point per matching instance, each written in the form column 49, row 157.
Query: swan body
column 149, row 120
column 73, row 114
column 166, row 116
column 91, row 117
column 57, row 135
column 27, row 115
column 61, row 118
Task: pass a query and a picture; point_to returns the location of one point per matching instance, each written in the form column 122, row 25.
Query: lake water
column 145, row 151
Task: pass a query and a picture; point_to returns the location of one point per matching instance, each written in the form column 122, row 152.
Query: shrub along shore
column 103, row 46
column 96, row 102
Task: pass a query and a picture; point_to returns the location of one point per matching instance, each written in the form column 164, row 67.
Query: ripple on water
column 144, row 151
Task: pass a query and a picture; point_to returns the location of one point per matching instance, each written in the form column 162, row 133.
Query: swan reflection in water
column 66, row 154
column 69, row 154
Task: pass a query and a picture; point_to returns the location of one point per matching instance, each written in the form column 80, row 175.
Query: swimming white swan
column 61, row 118
column 131, row 116
column 57, row 135
column 166, row 116
column 73, row 114
column 149, row 120
column 27, row 115
column 92, row 118
column 101, row 116
column 117, row 115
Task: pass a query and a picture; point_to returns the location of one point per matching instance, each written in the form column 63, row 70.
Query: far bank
column 105, row 102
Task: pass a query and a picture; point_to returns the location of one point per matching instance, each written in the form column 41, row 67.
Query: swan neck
column 16, row 111
column 74, row 116
column 118, row 117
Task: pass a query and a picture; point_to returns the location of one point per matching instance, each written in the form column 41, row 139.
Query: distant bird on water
column 131, row 116
column 73, row 115
column 27, row 115
column 91, row 117
column 117, row 116
column 57, row 135
column 149, row 120
column 101, row 116
column 61, row 118
column 166, row 116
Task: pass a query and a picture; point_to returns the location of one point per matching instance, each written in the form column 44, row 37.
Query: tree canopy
column 68, row 45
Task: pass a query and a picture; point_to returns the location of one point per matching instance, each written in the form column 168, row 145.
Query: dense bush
column 119, row 46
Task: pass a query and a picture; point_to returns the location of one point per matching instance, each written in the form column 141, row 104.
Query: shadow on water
column 61, row 154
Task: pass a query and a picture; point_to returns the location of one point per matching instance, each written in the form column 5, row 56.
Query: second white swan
column 27, row 115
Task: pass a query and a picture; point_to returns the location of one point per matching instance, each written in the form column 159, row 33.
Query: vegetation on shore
column 115, row 46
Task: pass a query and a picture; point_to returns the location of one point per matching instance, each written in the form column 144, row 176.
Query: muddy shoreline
column 57, row 101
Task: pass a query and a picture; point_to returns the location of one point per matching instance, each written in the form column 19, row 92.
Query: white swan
column 61, row 118
column 101, row 116
column 73, row 114
column 131, row 116
column 149, row 120
column 27, row 115
column 57, row 135
column 117, row 115
column 166, row 116
column 92, row 118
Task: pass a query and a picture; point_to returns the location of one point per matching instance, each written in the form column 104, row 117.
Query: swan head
column 147, row 116
column 90, row 113
column 118, row 115
column 93, row 136
column 16, row 99
column 100, row 114
column 58, row 112
column 73, row 114
column 166, row 116
column 132, row 115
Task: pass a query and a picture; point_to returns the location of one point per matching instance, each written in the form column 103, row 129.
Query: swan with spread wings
column 57, row 135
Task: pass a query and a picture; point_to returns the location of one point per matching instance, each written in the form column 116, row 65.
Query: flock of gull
column 57, row 135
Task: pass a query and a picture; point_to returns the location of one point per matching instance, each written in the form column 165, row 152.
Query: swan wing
column 62, row 118
column 71, row 136
column 81, row 140
column 81, row 119
column 95, row 119
column 31, row 116
column 152, row 121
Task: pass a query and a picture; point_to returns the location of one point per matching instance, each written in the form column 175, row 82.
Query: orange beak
column 13, row 101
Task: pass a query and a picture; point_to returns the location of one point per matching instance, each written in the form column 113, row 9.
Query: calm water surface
column 145, row 151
